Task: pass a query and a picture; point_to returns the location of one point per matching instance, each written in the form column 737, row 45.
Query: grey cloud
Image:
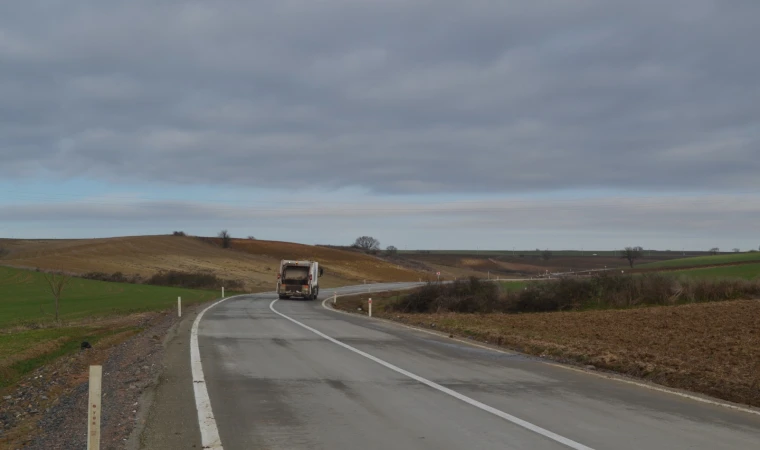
column 392, row 96
column 730, row 214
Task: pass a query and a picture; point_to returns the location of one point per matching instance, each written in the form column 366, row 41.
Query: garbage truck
column 298, row 279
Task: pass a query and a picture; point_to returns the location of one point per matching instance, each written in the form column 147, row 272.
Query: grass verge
column 23, row 352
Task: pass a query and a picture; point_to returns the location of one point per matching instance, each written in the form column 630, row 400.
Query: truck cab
column 298, row 279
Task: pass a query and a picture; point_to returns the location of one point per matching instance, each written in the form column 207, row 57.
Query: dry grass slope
column 253, row 262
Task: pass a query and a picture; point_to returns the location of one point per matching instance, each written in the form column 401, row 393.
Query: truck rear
column 298, row 279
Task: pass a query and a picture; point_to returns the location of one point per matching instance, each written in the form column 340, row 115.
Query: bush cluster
column 192, row 280
column 569, row 294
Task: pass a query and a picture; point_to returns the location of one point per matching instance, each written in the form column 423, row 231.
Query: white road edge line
column 508, row 417
column 606, row 376
column 209, row 432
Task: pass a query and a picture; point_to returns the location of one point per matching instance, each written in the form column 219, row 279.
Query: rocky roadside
column 48, row 410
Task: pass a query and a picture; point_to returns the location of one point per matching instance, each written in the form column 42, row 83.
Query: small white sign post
column 335, row 298
column 438, row 274
column 93, row 413
column 179, row 306
column 222, row 291
column 370, row 307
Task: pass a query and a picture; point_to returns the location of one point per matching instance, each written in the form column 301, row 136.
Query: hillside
column 253, row 262
column 748, row 271
column 506, row 265
column 717, row 260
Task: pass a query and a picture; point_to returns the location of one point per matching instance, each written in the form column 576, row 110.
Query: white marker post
column 335, row 298
column 370, row 307
column 93, row 413
column 222, row 291
column 179, row 306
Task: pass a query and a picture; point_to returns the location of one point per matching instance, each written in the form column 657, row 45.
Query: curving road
column 292, row 374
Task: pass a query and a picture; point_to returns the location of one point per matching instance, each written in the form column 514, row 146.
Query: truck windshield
column 295, row 273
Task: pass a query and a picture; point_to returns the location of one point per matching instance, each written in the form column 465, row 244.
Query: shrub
column 116, row 277
column 192, row 280
column 460, row 296
column 179, row 233
column 224, row 235
column 601, row 291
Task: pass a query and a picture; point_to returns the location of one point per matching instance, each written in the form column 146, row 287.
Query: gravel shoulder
column 48, row 409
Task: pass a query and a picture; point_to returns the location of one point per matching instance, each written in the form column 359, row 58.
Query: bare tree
column 224, row 235
column 179, row 233
column 251, row 238
column 737, row 250
column 57, row 283
column 367, row 243
column 632, row 254
column 714, row 250
column 391, row 250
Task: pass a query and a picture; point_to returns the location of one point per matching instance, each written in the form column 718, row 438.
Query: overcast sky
column 425, row 123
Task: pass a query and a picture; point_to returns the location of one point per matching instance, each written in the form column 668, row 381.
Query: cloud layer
column 392, row 96
column 731, row 214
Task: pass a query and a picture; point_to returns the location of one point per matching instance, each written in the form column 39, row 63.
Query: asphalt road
column 291, row 374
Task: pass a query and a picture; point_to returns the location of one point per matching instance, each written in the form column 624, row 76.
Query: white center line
column 515, row 420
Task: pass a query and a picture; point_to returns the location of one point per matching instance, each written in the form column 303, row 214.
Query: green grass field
column 24, row 297
column 704, row 261
column 746, row 271
column 25, row 301
column 513, row 285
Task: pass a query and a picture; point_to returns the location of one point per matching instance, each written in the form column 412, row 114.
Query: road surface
column 291, row 374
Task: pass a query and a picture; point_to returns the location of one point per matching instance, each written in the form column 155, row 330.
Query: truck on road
column 298, row 279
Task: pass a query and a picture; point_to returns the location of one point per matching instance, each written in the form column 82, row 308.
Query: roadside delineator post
column 222, row 291
column 335, row 298
column 369, row 303
column 94, row 407
column 179, row 306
